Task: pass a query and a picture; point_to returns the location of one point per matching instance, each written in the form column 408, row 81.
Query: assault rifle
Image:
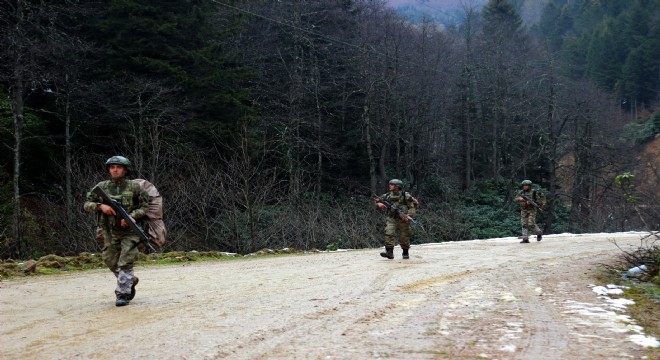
column 521, row 193
column 397, row 210
column 119, row 210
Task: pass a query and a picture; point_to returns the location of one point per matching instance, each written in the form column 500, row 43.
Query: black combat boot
column 388, row 253
column 122, row 300
column 405, row 254
column 525, row 236
column 539, row 233
column 135, row 282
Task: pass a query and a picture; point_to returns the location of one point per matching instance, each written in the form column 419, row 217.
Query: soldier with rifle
column 530, row 201
column 400, row 207
column 118, row 202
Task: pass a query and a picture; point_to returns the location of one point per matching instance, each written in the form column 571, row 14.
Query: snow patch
column 607, row 290
column 509, row 348
column 538, row 291
column 620, row 303
column 553, row 236
column 507, row 296
column 611, row 319
column 645, row 341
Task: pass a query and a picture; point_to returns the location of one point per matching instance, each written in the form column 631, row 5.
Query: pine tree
column 501, row 19
column 181, row 46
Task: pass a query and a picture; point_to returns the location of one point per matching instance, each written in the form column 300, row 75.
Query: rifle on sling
column 119, row 210
column 397, row 210
column 532, row 202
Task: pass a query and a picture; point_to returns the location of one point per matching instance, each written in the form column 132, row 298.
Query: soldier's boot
column 388, row 253
column 405, row 254
column 122, row 300
column 525, row 237
column 539, row 233
column 135, row 282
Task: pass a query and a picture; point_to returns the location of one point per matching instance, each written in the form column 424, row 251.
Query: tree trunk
column 15, row 247
column 385, row 147
column 467, row 131
column 553, row 137
column 370, row 153
column 68, row 195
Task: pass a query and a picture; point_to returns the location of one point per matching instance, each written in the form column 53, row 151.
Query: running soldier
column 120, row 243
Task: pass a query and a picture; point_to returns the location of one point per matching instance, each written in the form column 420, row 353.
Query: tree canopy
column 271, row 123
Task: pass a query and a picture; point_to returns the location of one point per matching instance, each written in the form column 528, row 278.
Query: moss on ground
column 54, row 264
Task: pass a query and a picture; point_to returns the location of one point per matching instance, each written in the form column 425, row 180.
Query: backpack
column 154, row 225
column 539, row 198
column 414, row 201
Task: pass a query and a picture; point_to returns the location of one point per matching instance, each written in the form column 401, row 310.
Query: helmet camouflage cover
column 119, row 160
column 397, row 182
column 526, row 182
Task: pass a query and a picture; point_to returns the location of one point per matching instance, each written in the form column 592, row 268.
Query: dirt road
column 476, row 299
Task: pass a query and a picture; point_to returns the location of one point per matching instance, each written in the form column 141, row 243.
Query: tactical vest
column 401, row 200
column 534, row 195
column 127, row 194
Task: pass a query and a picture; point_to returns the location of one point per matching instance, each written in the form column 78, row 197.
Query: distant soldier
column 529, row 199
column 406, row 203
column 120, row 249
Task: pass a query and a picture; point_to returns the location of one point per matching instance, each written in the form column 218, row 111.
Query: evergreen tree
column 504, row 53
column 501, row 19
column 639, row 78
column 615, row 44
column 606, row 54
column 182, row 46
column 554, row 25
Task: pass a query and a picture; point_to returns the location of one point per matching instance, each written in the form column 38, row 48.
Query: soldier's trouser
column 119, row 254
column 405, row 232
column 528, row 222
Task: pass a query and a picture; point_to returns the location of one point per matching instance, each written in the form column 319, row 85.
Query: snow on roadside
column 550, row 236
column 613, row 317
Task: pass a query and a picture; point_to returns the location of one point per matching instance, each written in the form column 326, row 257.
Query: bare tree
column 589, row 156
column 152, row 112
column 381, row 35
column 248, row 188
column 468, row 101
column 30, row 36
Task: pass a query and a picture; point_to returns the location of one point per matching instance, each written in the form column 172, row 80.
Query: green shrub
column 640, row 132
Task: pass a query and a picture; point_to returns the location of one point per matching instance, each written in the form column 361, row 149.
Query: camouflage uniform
column 528, row 213
column 120, row 244
column 393, row 223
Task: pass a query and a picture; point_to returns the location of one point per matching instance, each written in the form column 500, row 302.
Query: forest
column 269, row 124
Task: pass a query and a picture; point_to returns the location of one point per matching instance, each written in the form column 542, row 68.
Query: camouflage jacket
column 130, row 194
column 403, row 200
column 535, row 195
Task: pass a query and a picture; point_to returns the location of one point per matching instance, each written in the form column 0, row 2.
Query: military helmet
column 526, row 182
column 397, row 182
column 119, row 160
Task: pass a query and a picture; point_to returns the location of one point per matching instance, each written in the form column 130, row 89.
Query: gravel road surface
column 493, row 299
